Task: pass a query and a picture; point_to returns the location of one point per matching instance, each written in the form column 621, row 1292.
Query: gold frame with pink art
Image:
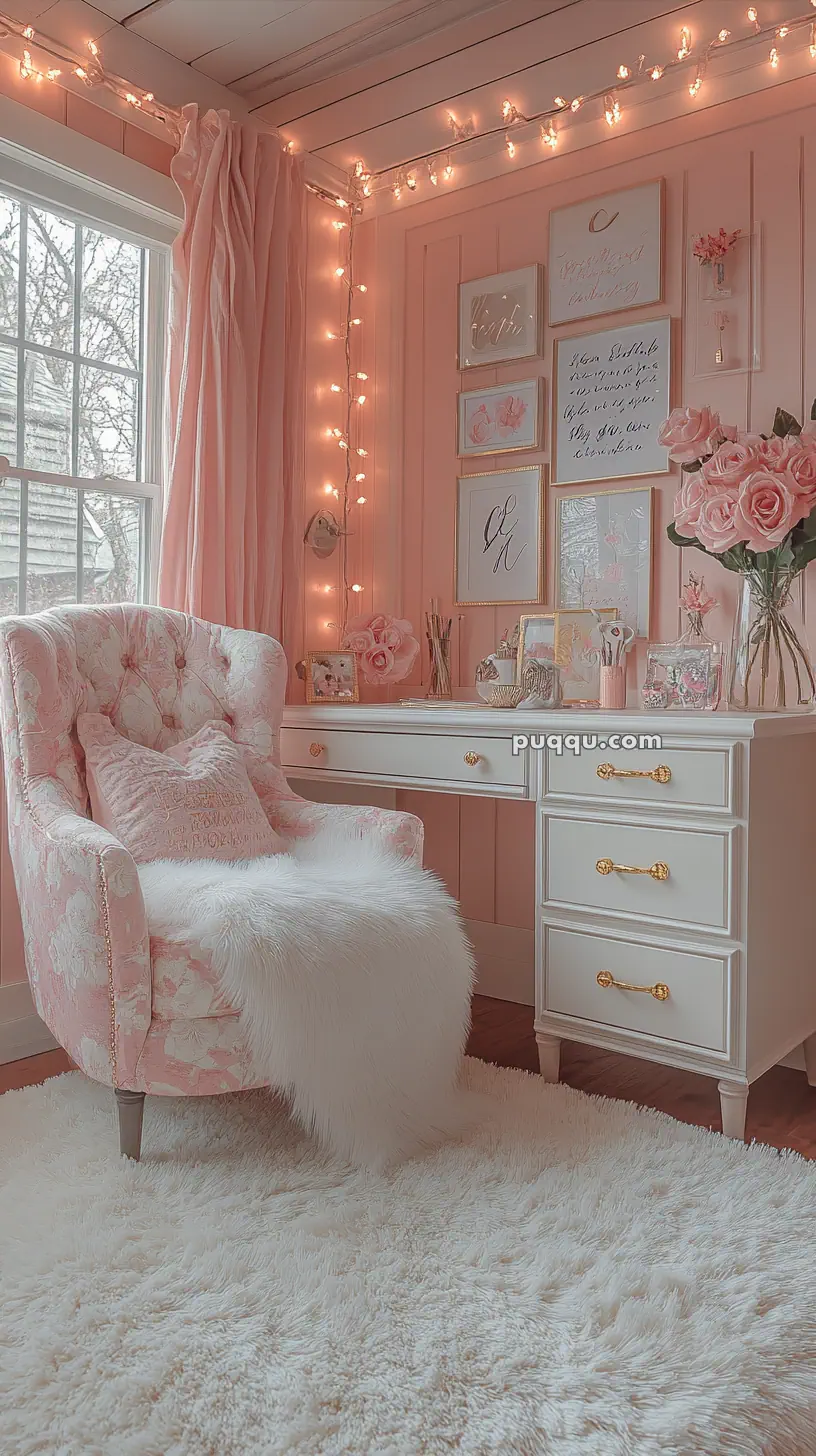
column 314, row 659
column 528, row 391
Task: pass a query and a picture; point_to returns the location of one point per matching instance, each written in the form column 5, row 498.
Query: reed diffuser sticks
column 438, row 635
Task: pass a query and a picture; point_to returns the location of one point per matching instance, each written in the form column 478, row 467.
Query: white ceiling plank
column 118, row 10
column 74, row 23
column 464, row 26
column 192, row 28
column 26, row 10
column 309, row 23
column 154, row 69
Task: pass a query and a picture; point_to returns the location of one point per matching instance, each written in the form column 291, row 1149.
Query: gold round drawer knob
column 316, row 749
column 472, row 758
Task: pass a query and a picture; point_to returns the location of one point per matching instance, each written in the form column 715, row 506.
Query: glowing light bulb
column 549, row 135
column 411, row 182
column 359, row 168
column 774, row 57
column 355, row 322
column 359, row 476
column 330, row 335
column 695, row 85
column 753, row 15
column 361, row 398
column 362, row 288
column 612, row 110
column 29, row 32
column 360, row 375
column 129, row 97
column 336, row 389
column 26, row 66
column 511, row 147
column 327, row 588
column 338, row 272
column 433, row 175
column 623, row 73
column 328, row 489
column 723, row 36
column 397, row 191
column 448, row 173
column 656, row 72
column 361, row 500
column 576, row 103
column 355, row 586
column 148, row 96
column 362, row 452
column 337, row 433
column 343, row 444
column 366, row 190
column 53, row 73
column 338, row 225
column 560, row 102
column 684, row 48
column 783, row 31
column 93, row 48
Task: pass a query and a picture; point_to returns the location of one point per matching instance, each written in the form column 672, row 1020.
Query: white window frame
column 69, row 174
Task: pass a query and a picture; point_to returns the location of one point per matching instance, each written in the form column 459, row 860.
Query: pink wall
column 79, row 115
column 748, row 163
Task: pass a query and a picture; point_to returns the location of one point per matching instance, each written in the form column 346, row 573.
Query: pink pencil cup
column 613, row 686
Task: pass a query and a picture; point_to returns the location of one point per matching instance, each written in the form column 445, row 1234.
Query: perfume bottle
column 697, row 603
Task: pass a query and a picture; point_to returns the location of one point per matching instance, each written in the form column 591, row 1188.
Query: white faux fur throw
column 352, row 975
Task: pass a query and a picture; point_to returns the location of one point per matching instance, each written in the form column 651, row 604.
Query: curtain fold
column 231, row 549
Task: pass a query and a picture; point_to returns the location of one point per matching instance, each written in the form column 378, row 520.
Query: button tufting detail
column 128, row 660
column 170, row 720
column 181, row 660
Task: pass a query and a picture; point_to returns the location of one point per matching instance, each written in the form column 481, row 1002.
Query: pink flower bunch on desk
column 385, row 646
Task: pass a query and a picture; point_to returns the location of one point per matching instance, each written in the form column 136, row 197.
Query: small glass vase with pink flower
column 748, row 500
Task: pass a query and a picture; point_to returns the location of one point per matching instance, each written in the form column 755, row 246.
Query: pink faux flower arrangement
column 712, row 247
column 744, row 496
column 385, row 647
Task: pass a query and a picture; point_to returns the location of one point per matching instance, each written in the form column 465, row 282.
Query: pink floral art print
column 502, row 417
column 384, row 647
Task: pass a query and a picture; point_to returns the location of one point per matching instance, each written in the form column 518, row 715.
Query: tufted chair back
column 158, row 674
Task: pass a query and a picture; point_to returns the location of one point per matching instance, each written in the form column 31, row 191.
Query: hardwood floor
column 781, row 1105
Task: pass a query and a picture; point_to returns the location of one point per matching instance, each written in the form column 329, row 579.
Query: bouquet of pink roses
column 385, row 646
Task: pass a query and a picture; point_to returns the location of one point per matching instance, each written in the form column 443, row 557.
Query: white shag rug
column 576, row 1277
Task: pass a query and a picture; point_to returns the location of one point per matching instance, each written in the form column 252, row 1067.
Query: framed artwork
column 578, row 657
column 611, row 393
column 500, row 317
column 678, row 675
column 500, row 536
column 501, row 417
column 603, row 553
column 606, row 254
column 331, row 677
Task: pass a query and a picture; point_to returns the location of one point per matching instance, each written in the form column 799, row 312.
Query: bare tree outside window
column 72, row 384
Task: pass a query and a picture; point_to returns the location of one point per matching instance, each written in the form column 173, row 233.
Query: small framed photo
column 500, row 418
column 331, row 677
column 500, row 317
column 603, row 553
column 578, row 657
column 499, row 537
column 678, row 675
column 536, row 640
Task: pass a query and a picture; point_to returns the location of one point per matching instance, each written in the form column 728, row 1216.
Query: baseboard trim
column 505, row 961
column 22, row 1033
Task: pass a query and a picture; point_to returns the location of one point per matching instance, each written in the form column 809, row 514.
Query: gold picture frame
column 463, row 481
column 534, row 385
column 463, row 361
column 344, row 669
column 598, row 201
column 641, row 628
column 564, row 656
column 664, row 408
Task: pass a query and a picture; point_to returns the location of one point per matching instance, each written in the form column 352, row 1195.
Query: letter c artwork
column 601, row 227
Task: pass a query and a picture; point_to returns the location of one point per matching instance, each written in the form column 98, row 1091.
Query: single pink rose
column 509, row 414
column 717, row 526
column 729, row 465
column 359, row 640
column 800, row 475
column 777, row 450
column 688, row 503
column 481, row 426
column 390, row 636
column 767, row 509
column 377, row 664
column 687, row 433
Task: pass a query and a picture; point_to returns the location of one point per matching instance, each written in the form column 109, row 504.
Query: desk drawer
column 429, row 758
column 698, row 778
column 696, row 891
column 695, row 1011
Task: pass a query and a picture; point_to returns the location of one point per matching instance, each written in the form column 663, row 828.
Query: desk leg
column 549, row 1055
column 733, row 1107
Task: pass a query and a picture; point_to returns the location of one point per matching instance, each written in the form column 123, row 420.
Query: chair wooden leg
column 130, row 1106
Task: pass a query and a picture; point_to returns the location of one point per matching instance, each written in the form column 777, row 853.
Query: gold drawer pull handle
column 316, row 749
column 658, row 871
column 660, row 775
column 659, row 990
column 472, row 758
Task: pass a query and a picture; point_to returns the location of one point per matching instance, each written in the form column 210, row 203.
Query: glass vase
column 695, row 635
column 770, row 668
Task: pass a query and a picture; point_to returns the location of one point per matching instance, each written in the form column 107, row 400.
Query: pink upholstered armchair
column 133, row 1011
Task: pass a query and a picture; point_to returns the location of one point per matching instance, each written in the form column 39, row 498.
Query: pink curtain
column 231, row 548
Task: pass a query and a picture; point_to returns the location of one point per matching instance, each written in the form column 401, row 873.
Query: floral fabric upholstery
column 132, row 1012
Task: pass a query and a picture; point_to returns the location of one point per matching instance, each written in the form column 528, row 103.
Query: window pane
column 9, row 545
column 110, row 311
column 112, row 536
column 9, row 263
column 108, row 424
column 48, row 398
column 50, row 280
column 52, row 547
column 8, row 401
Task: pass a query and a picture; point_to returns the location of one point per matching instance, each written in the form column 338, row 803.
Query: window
column 80, row 409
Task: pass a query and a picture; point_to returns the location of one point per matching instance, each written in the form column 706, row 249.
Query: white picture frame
column 603, row 553
column 500, row 317
column 500, row 418
column 607, row 254
column 499, row 554
column 611, row 394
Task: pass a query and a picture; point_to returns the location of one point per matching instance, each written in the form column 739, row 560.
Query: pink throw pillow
column 193, row 802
